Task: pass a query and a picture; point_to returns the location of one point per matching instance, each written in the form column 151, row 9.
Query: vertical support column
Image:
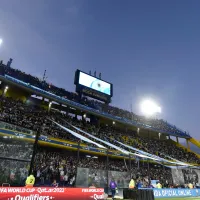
column 78, row 153
column 188, row 144
column 177, row 140
column 107, row 169
column 78, row 158
column 130, row 164
column 34, row 152
column 149, row 172
column 148, row 159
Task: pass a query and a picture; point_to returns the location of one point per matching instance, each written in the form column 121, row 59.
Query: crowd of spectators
column 158, row 124
column 61, row 165
column 36, row 119
column 52, row 165
column 15, row 149
column 13, row 172
column 15, row 160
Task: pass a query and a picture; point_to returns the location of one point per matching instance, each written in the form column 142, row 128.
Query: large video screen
column 94, row 83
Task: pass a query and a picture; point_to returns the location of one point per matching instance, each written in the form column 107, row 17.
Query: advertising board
column 163, row 193
column 43, row 193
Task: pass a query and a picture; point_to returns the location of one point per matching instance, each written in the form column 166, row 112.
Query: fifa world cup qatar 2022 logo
column 35, row 193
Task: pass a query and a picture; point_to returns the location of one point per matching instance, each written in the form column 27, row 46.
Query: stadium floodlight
column 95, row 157
column 6, row 89
column 1, row 41
column 50, row 103
column 150, row 108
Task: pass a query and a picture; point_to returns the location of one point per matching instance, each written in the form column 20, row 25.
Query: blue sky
column 145, row 48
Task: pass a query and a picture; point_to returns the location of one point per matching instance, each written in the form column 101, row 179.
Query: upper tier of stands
column 123, row 115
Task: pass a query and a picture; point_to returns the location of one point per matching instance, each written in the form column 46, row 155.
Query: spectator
column 113, row 187
column 132, row 184
column 158, row 185
column 30, row 181
column 54, row 184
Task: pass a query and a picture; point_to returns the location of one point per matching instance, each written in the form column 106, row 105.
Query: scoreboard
column 92, row 86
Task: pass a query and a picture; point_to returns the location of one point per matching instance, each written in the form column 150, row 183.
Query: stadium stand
column 36, row 119
column 61, row 164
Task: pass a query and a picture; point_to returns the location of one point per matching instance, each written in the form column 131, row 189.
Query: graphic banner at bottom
column 163, row 193
column 37, row 193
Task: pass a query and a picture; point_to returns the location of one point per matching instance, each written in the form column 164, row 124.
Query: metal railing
column 13, row 127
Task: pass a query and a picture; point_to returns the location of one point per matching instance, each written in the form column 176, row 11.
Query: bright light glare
column 1, row 41
column 149, row 108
